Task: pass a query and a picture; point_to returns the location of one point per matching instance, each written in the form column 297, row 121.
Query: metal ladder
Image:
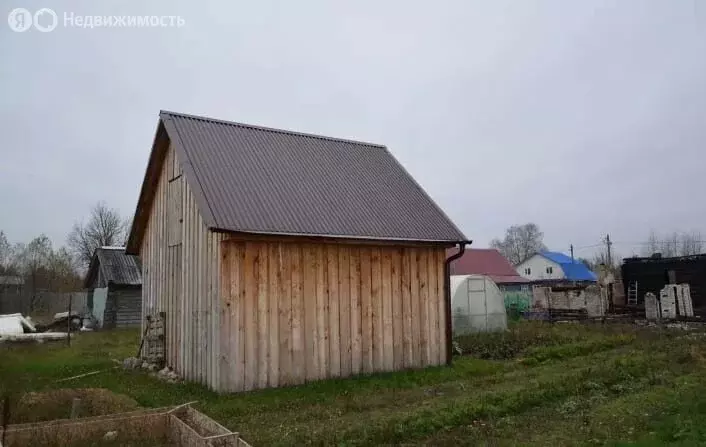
column 632, row 293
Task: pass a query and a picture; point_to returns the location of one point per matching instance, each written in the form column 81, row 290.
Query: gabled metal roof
column 486, row 261
column 254, row 179
column 574, row 269
column 115, row 267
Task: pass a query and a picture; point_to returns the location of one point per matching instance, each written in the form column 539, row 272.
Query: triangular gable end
column 166, row 135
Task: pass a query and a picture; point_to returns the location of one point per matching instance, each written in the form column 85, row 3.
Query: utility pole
column 572, row 253
column 609, row 243
column 611, row 304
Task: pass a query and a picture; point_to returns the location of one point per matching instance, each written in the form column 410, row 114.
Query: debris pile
column 166, row 374
column 17, row 328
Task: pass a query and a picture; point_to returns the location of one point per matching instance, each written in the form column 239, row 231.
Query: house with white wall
column 549, row 265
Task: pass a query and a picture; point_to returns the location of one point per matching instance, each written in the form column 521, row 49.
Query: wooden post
column 68, row 324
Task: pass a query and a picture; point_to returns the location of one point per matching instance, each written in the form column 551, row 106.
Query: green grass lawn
column 537, row 384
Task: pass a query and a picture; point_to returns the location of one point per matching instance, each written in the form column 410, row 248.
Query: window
column 550, row 270
column 528, row 271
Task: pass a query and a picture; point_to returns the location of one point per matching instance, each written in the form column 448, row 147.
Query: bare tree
column 653, row 244
column 105, row 227
column 520, row 242
column 674, row 244
column 5, row 252
column 34, row 260
column 691, row 244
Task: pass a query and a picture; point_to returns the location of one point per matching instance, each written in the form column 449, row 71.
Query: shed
column 114, row 283
column 280, row 257
column 651, row 274
column 478, row 305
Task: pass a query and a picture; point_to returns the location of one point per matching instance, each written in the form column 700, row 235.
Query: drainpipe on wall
column 447, row 296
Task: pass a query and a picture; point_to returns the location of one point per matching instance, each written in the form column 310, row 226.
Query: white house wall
column 538, row 266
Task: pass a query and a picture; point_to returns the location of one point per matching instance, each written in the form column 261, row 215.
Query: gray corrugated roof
column 254, row 179
column 115, row 267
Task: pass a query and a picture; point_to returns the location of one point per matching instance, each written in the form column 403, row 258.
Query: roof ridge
column 271, row 129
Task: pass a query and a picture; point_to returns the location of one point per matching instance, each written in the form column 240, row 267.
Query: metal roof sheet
column 486, row 261
column 574, row 270
column 115, row 266
column 260, row 180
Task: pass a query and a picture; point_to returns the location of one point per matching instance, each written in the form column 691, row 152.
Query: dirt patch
column 56, row 404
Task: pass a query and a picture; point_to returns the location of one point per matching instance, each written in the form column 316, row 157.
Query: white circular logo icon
column 45, row 20
column 20, row 20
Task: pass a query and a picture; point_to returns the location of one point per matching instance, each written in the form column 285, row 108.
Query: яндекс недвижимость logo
column 21, row 20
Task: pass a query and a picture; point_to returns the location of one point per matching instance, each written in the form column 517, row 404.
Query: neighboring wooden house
column 551, row 266
column 281, row 258
column 114, row 283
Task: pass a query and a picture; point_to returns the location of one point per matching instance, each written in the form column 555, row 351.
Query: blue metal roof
column 573, row 269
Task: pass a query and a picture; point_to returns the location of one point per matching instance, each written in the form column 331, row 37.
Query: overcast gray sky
column 586, row 117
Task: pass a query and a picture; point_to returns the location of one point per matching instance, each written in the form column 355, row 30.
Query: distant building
column 551, row 266
column 489, row 262
column 114, row 283
column 651, row 274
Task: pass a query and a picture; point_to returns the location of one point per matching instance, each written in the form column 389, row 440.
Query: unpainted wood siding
column 296, row 312
column 123, row 307
column 180, row 262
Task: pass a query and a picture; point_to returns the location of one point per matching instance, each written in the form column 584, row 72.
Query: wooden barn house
column 280, row 258
column 114, row 286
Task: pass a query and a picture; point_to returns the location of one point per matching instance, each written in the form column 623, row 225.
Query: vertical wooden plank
column 322, row 306
column 432, row 306
column 414, row 307
column 204, row 341
column 263, row 351
column 242, row 316
column 310, row 312
column 275, row 278
column 355, row 283
column 234, row 375
column 366, row 309
column 188, row 318
column 298, row 323
column 423, row 306
column 334, row 312
column 250, row 316
column 182, row 290
column 441, row 300
column 193, row 316
column 406, row 308
column 397, row 317
column 386, row 301
column 285, row 315
column 226, row 319
column 208, row 306
column 215, row 293
column 376, row 309
column 344, row 301
column 217, row 290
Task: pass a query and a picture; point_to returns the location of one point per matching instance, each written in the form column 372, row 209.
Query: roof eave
column 448, row 242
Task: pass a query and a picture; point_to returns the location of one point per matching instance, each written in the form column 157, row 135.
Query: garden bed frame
column 177, row 426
